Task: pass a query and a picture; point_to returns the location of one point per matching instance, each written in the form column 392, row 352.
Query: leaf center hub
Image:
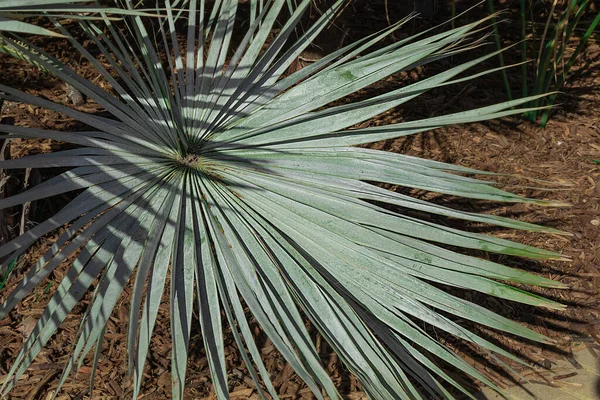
column 191, row 161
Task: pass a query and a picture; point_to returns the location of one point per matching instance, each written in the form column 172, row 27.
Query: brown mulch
column 562, row 154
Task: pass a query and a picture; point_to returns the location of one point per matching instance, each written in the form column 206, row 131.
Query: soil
column 553, row 163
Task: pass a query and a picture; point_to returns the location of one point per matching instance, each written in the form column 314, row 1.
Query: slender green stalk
column 499, row 47
column 551, row 68
column 453, row 12
column 523, row 49
column 542, row 61
column 563, row 76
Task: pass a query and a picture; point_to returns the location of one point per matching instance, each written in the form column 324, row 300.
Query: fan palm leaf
column 245, row 190
column 12, row 11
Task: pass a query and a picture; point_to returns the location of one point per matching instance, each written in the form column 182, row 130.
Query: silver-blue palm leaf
column 243, row 187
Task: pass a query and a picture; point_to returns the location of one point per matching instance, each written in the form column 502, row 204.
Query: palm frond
column 13, row 11
column 241, row 187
